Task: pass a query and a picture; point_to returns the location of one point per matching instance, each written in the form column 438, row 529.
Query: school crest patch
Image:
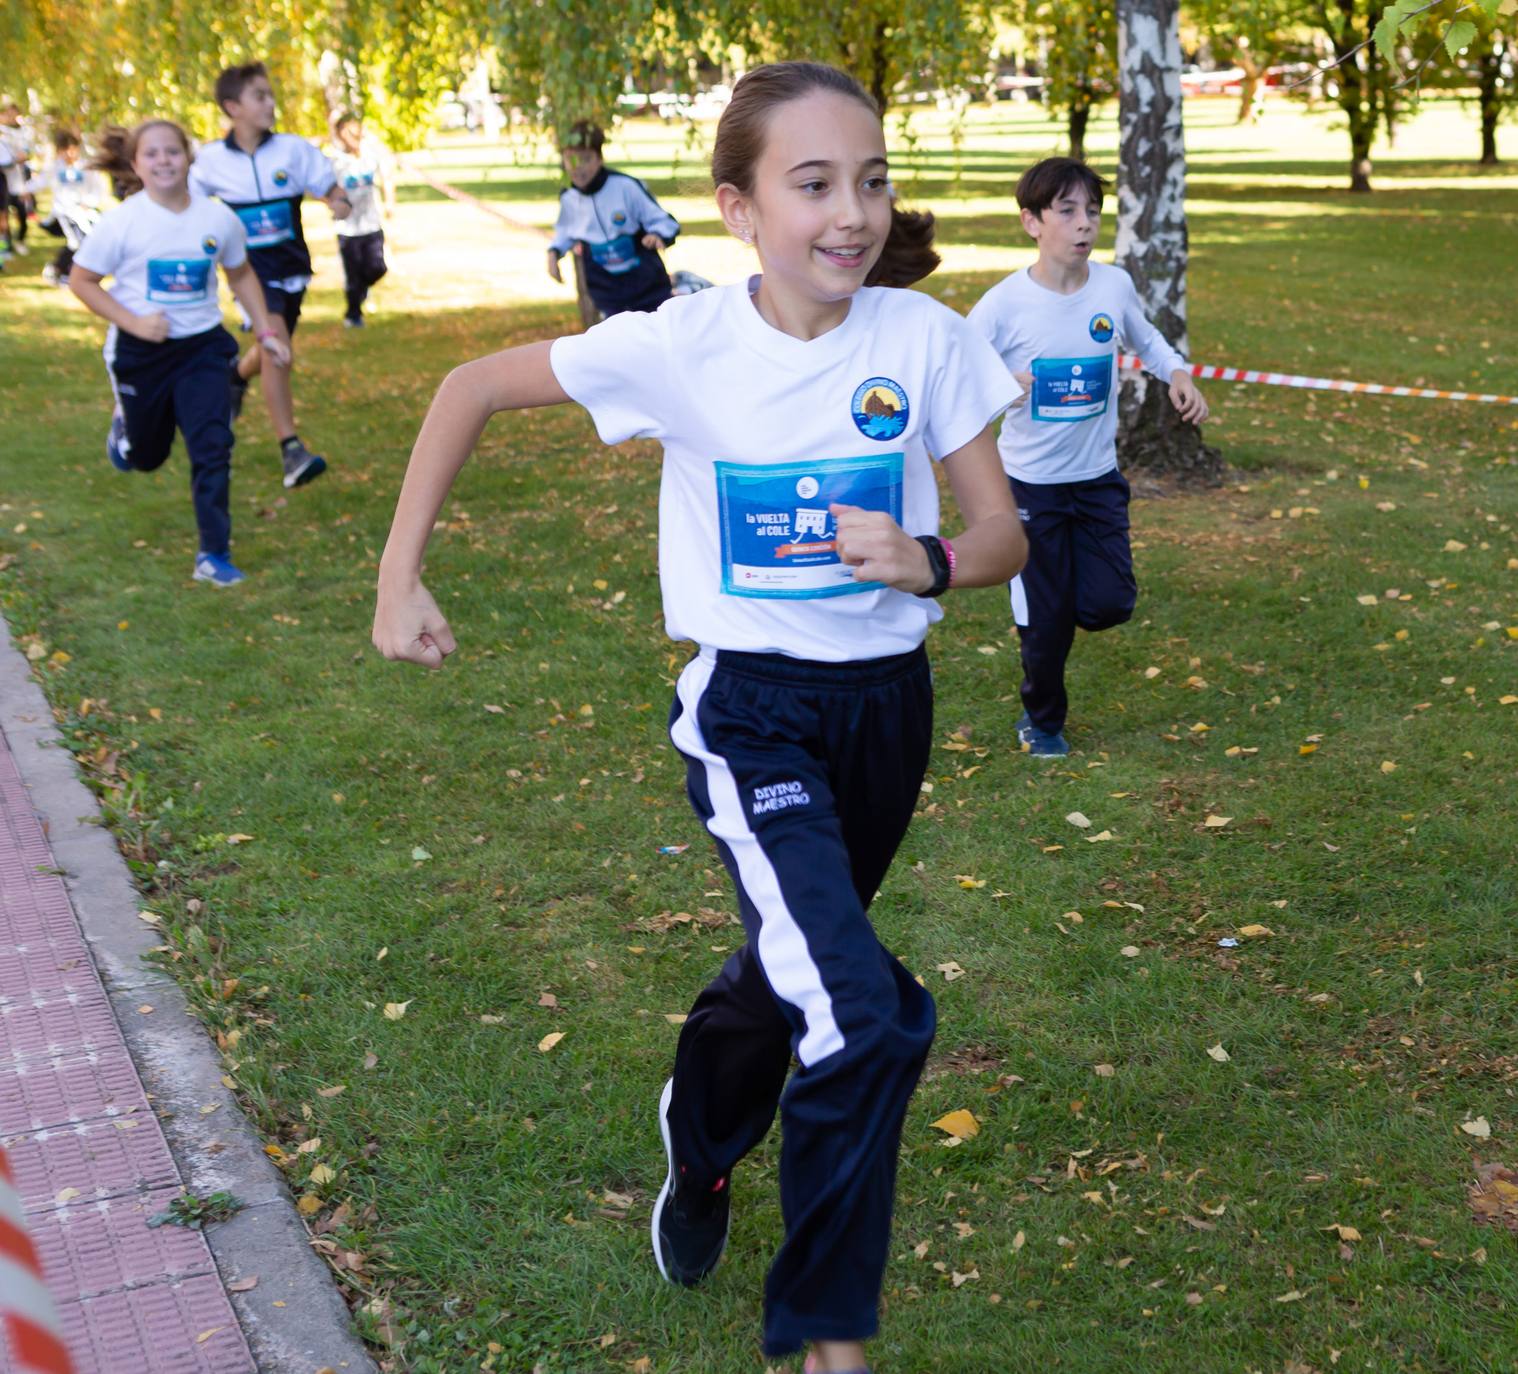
column 880, row 408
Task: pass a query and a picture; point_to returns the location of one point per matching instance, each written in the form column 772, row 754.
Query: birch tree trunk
column 1151, row 232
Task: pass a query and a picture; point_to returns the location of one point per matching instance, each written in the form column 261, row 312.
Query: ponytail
column 111, row 158
column 908, row 255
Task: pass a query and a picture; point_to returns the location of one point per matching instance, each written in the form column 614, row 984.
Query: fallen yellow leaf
column 323, row 1174
column 1481, row 1128
column 1097, row 839
column 1219, row 1053
column 1217, row 822
column 1342, row 1231
column 961, row 1123
column 1255, row 932
column 395, row 1010
column 308, row 1205
column 549, row 1041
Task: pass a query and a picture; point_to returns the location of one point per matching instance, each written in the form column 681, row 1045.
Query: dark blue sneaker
column 690, row 1224
column 219, row 572
column 1040, row 743
column 116, row 443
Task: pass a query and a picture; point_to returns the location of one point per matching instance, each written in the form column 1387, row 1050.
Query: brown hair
column 234, row 80
column 116, row 151
column 908, row 254
column 583, row 135
column 64, row 139
column 1045, row 182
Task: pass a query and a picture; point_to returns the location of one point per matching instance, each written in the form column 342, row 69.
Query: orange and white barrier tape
column 27, row 1314
column 1239, row 374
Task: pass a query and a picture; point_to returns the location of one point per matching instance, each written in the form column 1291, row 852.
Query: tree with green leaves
column 1078, row 39
column 1254, row 35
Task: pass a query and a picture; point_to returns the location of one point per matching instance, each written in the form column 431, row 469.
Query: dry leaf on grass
column 1219, row 1053
column 1481, row 1128
column 1077, row 819
column 1343, row 1232
column 395, row 1010
column 1494, row 1196
column 549, row 1041
column 959, row 1123
column 950, row 971
column 1217, row 822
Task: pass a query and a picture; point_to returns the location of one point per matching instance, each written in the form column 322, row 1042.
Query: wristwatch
column 938, row 564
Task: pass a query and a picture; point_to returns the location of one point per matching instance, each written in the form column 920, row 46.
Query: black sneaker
column 301, row 465
column 689, row 1228
column 239, row 385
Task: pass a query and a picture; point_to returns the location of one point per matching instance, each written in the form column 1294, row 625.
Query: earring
column 747, row 238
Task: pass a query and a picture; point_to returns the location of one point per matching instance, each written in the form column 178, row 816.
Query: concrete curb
column 178, row 1064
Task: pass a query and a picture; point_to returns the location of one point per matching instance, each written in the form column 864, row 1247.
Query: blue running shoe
column 116, row 443
column 1040, row 743
column 219, row 572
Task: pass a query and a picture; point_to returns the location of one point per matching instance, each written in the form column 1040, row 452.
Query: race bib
column 268, row 223
column 178, row 281
column 354, row 180
column 1071, row 388
column 778, row 539
column 620, row 255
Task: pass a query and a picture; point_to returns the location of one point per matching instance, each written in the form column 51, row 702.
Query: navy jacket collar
column 236, row 147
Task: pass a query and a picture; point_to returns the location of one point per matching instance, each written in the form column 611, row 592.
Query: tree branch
column 1344, row 57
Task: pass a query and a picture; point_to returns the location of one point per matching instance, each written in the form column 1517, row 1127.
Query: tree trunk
column 1253, row 72
column 589, row 314
column 1358, row 87
column 1151, row 232
column 880, row 67
column 1080, row 116
column 1491, row 100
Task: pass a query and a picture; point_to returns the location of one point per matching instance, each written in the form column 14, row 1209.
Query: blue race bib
column 1071, row 388
column 778, row 539
column 268, row 223
column 356, row 179
column 620, row 255
column 178, row 281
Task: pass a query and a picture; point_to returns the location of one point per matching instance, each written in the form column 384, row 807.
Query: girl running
column 799, row 412
column 166, row 351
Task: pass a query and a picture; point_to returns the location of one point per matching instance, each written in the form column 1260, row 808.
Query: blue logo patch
column 1101, row 326
column 880, row 409
column 619, row 217
column 281, row 177
column 208, row 244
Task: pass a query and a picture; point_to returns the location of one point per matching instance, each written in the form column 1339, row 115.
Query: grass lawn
column 433, row 873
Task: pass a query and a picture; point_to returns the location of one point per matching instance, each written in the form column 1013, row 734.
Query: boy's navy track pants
column 183, row 384
column 1079, row 573
column 806, row 774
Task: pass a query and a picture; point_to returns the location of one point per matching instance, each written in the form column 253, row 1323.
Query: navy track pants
column 806, row 775
column 1079, row 573
column 181, row 384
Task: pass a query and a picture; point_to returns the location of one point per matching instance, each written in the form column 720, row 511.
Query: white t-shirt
column 361, row 175
column 762, row 430
column 1066, row 431
column 165, row 260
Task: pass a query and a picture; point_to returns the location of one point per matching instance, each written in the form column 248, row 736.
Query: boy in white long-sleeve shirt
column 1056, row 325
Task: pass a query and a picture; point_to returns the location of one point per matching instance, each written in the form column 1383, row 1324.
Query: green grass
column 474, row 1171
